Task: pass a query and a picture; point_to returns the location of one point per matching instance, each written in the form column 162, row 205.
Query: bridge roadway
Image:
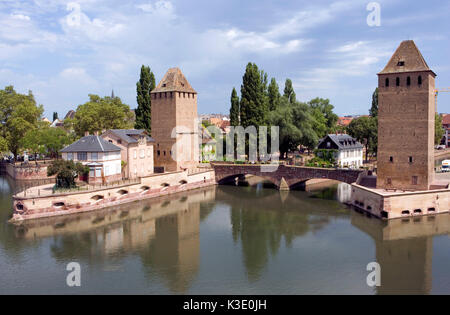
column 284, row 177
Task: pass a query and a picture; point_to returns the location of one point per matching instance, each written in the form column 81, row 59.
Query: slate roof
column 91, row 144
column 126, row 134
column 407, row 58
column 174, row 81
column 343, row 141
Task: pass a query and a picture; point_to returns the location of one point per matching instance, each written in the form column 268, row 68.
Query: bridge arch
column 234, row 177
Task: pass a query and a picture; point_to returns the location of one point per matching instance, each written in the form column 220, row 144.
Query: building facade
column 347, row 151
column 136, row 151
column 406, row 114
column 446, row 125
column 175, row 123
column 102, row 157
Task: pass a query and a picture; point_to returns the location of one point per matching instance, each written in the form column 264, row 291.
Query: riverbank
column 41, row 201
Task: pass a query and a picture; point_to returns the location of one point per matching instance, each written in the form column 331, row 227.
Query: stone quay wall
column 156, row 185
column 392, row 205
column 28, row 172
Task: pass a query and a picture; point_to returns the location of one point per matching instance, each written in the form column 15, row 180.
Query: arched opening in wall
column 58, row 204
column 144, row 189
column 19, row 206
column 397, row 81
column 408, row 81
column 164, row 186
column 384, row 215
column 417, row 211
column 431, row 209
column 97, row 198
column 386, row 82
column 419, row 80
column 122, row 192
column 183, row 182
column 405, row 212
column 369, row 208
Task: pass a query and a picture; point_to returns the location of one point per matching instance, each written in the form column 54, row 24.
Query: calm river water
column 225, row 240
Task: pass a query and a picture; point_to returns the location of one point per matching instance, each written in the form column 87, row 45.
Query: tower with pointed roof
column 174, row 123
column 406, row 114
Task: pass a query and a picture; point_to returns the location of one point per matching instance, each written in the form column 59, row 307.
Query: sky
column 64, row 50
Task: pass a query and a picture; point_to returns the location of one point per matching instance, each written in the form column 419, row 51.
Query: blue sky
column 65, row 50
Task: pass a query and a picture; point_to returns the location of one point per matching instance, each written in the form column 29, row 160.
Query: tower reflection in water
column 164, row 232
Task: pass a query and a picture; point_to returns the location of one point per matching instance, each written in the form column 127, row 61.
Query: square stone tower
column 406, row 113
column 175, row 123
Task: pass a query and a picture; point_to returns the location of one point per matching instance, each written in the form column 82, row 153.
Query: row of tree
column 262, row 104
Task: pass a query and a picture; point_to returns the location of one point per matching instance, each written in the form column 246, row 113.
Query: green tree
column 327, row 110
column 18, row 115
column 274, row 95
column 144, row 86
column 55, row 116
column 289, row 91
column 66, row 172
column 253, row 105
column 234, row 110
column 100, row 114
column 374, row 109
column 320, row 122
column 296, row 126
column 438, row 129
column 364, row 129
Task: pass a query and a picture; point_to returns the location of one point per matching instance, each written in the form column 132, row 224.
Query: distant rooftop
column 127, row 134
column 343, row 141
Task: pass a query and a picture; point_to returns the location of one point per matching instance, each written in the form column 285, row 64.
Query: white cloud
column 161, row 7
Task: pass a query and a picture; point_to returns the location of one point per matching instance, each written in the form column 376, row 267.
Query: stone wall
column 29, row 172
column 400, row 204
column 83, row 201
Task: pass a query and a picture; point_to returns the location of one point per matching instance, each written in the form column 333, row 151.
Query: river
column 225, row 240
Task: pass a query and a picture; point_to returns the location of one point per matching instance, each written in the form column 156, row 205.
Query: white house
column 102, row 157
column 348, row 152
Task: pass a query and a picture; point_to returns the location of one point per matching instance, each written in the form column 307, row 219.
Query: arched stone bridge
column 284, row 177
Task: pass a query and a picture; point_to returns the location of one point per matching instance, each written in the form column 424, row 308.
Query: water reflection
column 162, row 236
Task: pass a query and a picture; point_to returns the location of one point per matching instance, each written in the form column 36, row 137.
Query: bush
column 66, row 172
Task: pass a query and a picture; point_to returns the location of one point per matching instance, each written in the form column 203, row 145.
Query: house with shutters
column 348, row 152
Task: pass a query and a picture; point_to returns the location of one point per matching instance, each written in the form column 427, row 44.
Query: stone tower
column 406, row 114
column 174, row 123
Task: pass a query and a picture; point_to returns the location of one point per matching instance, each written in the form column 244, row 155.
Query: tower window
column 386, row 83
column 408, row 81
column 397, row 81
column 419, row 80
column 410, row 159
column 158, row 152
column 400, row 64
column 388, row 181
column 414, row 180
column 391, row 159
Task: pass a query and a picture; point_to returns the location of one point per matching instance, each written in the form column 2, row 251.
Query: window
column 386, row 83
column 70, row 156
column 419, row 80
column 400, row 63
column 119, row 141
column 388, row 181
column 410, row 159
column 82, row 156
column 408, row 81
column 328, row 144
column 135, row 153
column 414, row 180
column 164, row 153
column 148, row 152
column 397, row 81
column 98, row 172
column 158, row 153
column 391, row 159
column 142, row 153
column 94, row 156
column 135, row 169
column 92, row 172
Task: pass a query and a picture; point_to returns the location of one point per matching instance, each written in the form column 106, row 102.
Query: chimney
column 86, row 133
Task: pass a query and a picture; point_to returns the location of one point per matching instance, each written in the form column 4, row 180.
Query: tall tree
column 143, row 112
column 327, row 110
column 253, row 105
column 274, row 95
column 438, row 129
column 55, row 116
column 18, row 114
column 289, row 92
column 364, row 129
column 234, row 110
column 374, row 109
column 100, row 114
